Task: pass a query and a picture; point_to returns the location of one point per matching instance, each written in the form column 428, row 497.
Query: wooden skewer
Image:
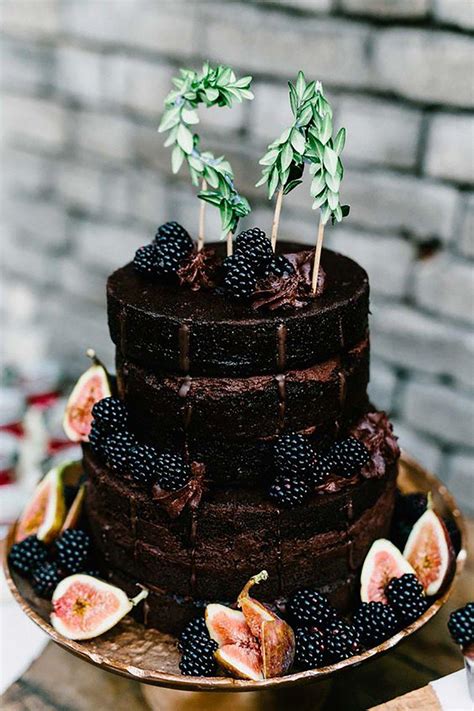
column 202, row 209
column 276, row 218
column 317, row 256
column 230, row 246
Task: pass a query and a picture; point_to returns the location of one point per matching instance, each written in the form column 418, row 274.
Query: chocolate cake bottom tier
column 257, row 406
column 209, row 553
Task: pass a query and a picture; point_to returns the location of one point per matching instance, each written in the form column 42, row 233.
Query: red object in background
column 7, row 476
column 14, row 428
column 43, row 400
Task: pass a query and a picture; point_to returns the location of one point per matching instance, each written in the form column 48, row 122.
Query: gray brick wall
column 86, row 178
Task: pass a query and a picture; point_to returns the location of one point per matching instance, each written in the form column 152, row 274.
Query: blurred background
column 86, row 180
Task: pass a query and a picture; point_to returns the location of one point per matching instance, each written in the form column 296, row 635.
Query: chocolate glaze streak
column 183, row 338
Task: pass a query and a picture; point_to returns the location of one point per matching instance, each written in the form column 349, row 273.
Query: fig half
column 430, row 552
column 45, row 512
column 85, row 607
column 92, row 386
column 382, row 563
column 254, row 643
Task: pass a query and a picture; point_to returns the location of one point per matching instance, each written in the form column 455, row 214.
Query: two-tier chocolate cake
column 219, row 383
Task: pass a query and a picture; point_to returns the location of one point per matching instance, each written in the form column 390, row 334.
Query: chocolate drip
column 187, row 410
column 192, row 543
column 281, row 346
column 341, row 332
column 123, row 321
column 279, row 555
column 183, row 337
column 342, row 386
column 281, row 381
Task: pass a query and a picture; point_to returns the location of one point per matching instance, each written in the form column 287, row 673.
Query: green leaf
column 171, row 138
column 211, row 94
column 262, row 181
column 297, row 141
column 246, row 94
column 177, row 158
column 211, row 176
column 270, row 157
column 189, row 116
column 305, row 115
column 211, row 198
column 284, row 136
column 170, row 118
column 333, row 199
column 339, row 141
column 317, row 147
column 326, row 130
column 320, row 200
column 309, row 91
column 273, row 183
column 291, row 186
column 330, row 160
column 332, row 181
column 338, row 213
column 293, row 99
column 225, row 75
column 286, row 156
column 185, row 139
column 195, row 163
column 325, row 214
column 300, row 85
column 243, row 83
column 317, row 185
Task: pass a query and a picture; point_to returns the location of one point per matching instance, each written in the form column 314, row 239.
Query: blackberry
column 348, row 456
column 172, row 471
column 255, row 246
column 240, row 278
column 461, row 624
column 169, row 257
column 279, row 266
column 96, row 438
column 406, row 596
column 288, row 492
column 72, row 550
column 310, row 647
column 320, row 471
column 375, row 622
column 145, row 260
column 198, row 657
column 27, row 555
column 292, row 454
column 110, row 414
column 173, row 232
column 409, row 507
column 195, row 628
column 310, row 608
column 342, row 641
column 142, row 463
column 116, row 449
column 45, row 579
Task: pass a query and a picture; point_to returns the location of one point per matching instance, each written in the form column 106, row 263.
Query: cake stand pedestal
column 159, row 699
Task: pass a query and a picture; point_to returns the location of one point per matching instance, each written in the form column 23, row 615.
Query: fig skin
column 371, row 570
column 430, row 523
column 77, row 594
column 92, row 386
column 45, row 512
column 254, row 643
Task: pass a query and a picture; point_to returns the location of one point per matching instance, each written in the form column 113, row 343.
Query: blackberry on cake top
column 293, row 455
column 142, row 463
column 288, row 491
column 240, row 278
column 347, row 457
column 173, row 472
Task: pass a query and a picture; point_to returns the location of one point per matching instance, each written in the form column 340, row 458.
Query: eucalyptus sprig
column 283, row 163
column 323, row 152
column 213, row 86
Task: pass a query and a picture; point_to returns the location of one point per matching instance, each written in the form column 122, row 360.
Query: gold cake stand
column 150, row 657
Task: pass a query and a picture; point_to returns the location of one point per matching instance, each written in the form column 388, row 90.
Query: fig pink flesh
column 429, row 551
column 240, row 660
column 386, row 568
column 84, row 607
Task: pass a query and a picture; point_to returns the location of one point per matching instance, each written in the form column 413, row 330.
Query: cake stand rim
column 228, row 684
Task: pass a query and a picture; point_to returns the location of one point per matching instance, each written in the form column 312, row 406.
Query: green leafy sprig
column 283, row 163
column 324, row 154
column 214, row 86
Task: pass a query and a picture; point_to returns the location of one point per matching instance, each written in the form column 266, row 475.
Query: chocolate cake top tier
column 175, row 329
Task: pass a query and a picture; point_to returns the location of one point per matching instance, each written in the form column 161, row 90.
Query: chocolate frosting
column 199, row 271
column 290, row 292
column 376, row 432
column 173, row 502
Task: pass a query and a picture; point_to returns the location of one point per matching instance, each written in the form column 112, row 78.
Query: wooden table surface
column 58, row 681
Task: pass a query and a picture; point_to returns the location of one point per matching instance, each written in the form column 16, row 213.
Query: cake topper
column 307, row 140
column 214, row 86
column 284, row 160
column 323, row 153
